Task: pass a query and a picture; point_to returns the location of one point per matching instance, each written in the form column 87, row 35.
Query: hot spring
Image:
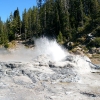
column 43, row 46
column 48, row 48
column 47, row 69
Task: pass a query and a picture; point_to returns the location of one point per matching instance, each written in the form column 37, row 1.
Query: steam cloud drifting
column 43, row 46
column 49, row 48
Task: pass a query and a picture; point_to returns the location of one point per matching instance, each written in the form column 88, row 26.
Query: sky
column 8, row 6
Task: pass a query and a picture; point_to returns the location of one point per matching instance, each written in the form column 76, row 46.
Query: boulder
column 98, row 50
column 92, row 50
column 70, row 45
column 42, row 79
column 78, row 51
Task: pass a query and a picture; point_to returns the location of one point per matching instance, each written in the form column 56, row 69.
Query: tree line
column 65, row 20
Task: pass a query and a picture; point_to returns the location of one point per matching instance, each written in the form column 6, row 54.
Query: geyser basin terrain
column 47, row 74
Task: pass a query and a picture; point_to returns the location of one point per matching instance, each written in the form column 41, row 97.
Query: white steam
column 50, row 48
column 20, row 54
column 43, row 46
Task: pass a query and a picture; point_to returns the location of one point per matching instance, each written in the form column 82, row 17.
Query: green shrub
column 81, row 40
column 80, row 29
column 97, row 41
column 97, row 31
column 60, row 37
column 6, row 45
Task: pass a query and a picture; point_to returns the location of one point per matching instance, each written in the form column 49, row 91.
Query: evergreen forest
column 66, row 20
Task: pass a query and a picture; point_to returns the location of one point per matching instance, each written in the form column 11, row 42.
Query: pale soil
column 95, row 58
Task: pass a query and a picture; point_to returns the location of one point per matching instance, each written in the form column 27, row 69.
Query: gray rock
column 70, row 45
column 44, row 77
column 46, row 80
column 92, row 50
column 98, row 50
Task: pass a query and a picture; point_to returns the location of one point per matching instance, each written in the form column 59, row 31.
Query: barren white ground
column 45, row 75
column 47, row 81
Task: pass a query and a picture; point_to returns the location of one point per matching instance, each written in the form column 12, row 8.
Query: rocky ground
column 95, row 58
column 42, row 79
column 74, row 78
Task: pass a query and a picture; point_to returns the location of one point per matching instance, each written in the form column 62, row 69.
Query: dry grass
column 95, row 58
column 12, row 45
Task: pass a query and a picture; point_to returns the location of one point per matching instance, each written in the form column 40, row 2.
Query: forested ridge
column 76, row 21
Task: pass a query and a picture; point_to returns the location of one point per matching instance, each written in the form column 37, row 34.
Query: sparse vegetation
column 6, row 45
column 97, row 42
column 60, row 37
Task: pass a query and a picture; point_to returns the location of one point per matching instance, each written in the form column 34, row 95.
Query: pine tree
column 17, row 22
column 10, row 28
column 25, row 24
column 34, row 19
